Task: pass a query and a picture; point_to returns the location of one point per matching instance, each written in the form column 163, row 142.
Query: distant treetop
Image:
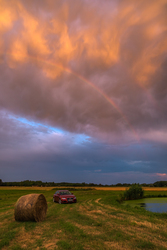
column 29, row 183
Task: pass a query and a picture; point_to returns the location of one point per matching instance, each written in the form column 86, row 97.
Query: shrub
column 134, row 192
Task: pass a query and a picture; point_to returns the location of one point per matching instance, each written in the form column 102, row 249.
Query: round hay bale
column 31, row 207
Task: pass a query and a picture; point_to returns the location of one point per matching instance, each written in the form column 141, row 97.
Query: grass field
column 96, row 221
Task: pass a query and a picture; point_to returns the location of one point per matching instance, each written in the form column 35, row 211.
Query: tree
column 134, row 192
column 0, row 182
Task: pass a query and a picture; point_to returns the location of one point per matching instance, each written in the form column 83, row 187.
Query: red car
column 64, row 196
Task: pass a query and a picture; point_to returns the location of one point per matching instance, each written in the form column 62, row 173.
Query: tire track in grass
column 97, row 200
column 80, row 221
column 141, row 232
column 96, row 213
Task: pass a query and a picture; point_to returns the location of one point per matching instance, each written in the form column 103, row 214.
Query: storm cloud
column 83, row 90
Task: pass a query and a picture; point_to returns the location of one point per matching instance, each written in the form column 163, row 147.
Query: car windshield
column 65, row 193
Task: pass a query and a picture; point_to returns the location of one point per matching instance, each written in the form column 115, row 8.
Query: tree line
column 29, row 183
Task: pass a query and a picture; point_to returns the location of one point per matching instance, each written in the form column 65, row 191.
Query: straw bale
column 31, row 207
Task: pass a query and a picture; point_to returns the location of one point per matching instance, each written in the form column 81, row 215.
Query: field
column 96, row 221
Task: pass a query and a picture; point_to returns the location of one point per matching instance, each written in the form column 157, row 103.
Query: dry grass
column 96, row 188
column 26, row 188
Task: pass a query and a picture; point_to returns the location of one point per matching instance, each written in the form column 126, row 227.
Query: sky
column 83, row 91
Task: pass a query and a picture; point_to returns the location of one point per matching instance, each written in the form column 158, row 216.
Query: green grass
column 6, row 238
column 145, row 245
column 96, row 221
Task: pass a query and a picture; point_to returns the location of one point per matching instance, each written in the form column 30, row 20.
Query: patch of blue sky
column 78, row 138
column 37, row 125
column 81, row 138
column 137, row 163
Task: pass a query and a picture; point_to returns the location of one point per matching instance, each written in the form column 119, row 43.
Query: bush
column 134, row 192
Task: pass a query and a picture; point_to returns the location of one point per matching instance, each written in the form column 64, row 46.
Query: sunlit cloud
column 161, row 175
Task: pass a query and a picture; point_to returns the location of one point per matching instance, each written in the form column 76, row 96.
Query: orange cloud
column 118, row 49
column 95, row 39
column 161, row 175
column 7, row 16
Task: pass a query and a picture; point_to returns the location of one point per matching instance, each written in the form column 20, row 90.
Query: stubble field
column 96, row 221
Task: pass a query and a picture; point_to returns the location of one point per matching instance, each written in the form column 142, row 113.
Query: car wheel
column 59, row 201
column 53, row 200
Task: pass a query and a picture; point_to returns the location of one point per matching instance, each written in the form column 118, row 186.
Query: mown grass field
column 96, row 221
